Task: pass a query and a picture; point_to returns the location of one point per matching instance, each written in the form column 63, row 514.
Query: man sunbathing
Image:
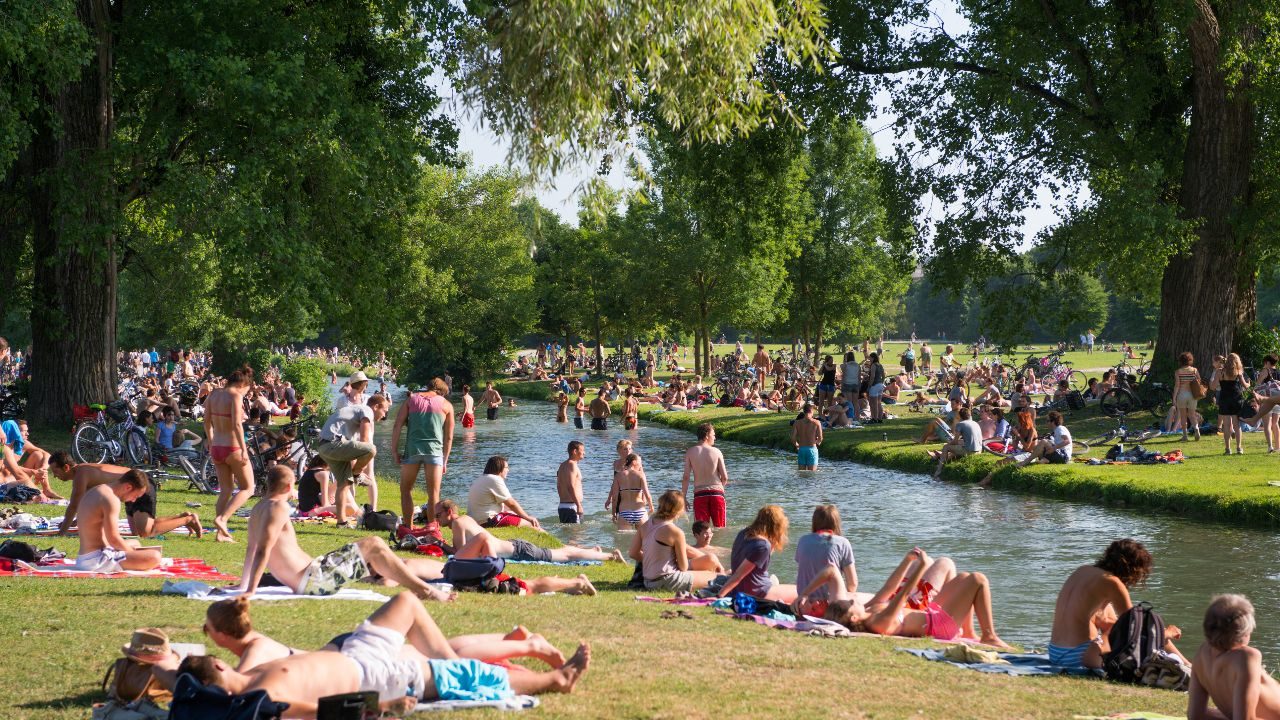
column 101, row 547
column 428, row 570
column 83, row 477
column 399, row 653
column 228, row 624
column 272, row 545
column 473, row 541
column 1227, row 670
column 1080, row 617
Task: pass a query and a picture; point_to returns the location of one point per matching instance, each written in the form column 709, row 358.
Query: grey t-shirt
column 816, row 551
column 970, row 433
column 346, row 423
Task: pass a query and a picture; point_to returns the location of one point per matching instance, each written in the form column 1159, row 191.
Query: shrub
column 310, row 377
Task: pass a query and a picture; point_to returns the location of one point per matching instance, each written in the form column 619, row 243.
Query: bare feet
column 616, row 556
column 584, row 587
column 574, row 668
column 435, row 593
column 223, row 534
column 518, row 632
column 986, row 481
column 546, row 652
column 994, row 641
column 193, row 524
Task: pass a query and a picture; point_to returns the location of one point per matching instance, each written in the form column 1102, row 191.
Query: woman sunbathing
column 888, row 613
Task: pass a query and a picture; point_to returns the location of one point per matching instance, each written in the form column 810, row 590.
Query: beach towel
column 676, row 601
column 518, row 702
column 577, row 563
column 809, row 625
column 1019, row 664
column 48, row 527
column 195, row 590
column 188, row 568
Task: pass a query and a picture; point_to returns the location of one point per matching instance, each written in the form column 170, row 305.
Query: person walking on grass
column 429, row 418
column 1230, row 385
column 224, row 429
column 1186, row 380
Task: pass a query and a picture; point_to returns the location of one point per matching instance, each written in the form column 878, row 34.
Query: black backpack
column 379, row 519
column 1135, row 637
column 18, row 550
column 194, row 701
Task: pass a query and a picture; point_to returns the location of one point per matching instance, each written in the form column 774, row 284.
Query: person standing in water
column 429, row 416
column 806, row 433
column 569, row 485
column 705, row 463
column 468, row 408
column 492, row 400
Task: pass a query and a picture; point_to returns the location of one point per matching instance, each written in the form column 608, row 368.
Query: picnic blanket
column 1018, row 664
column 195, row 590
column 189, row 568
column 517, row 702
column 676, row 601
column 554, row 562
column 48, row 527
column 814, row 626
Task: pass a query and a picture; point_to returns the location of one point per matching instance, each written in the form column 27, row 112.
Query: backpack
column 194, row 701
column 18, row 550
column 1136, row 636
column 378, row 519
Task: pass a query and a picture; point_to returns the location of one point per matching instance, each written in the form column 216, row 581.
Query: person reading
column 273, row 545
column 102, row 549
column 399, row 653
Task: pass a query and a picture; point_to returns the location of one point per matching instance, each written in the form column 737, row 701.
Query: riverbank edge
column 869, row 447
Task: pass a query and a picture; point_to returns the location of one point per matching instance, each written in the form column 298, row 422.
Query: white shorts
column 376, row 651
column 106, row 560
column 876, row 390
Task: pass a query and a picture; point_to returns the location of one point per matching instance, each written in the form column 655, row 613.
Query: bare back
column 286, row 560
column 224, row 417
column 1228, row 675
column 807, row 432
column 706, row 463
column 1085, row 593
column 464, row 528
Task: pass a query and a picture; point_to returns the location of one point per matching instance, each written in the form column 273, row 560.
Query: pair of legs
column 408, row 478
column 951, row 451
column 145, row 525
column 969, row 594
column 346, row 482
column 1271, row 430
column 37, row 478
column 935, row 430
column 1229, row 426
column 877, row 408
column 1184, row 408
column 231, row 496
column 484, row 544
column 386, row 564
column 145, row 559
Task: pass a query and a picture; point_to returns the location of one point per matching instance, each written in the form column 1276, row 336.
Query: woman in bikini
column 629, row 495
column 224, row 427
column 888, row 612
column 667, row 561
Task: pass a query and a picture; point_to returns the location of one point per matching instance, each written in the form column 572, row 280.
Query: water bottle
column 885, row 437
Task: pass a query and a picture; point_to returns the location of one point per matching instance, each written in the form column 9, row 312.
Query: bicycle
column 111, row 434
column 12, row 404
column 1120, row 433
column 1132, row 392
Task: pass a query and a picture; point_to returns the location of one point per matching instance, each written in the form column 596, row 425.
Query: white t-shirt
column 487, row 494
column 1060, row 435
column 345, row 423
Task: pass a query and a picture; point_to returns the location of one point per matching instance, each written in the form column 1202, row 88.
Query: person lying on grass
column 752, row 549
column 428, row 570
column 1091, row 598
column 472, row 541
column 273, row 545
column 960, row 596
column 102, row 549
column 229, row 625
column 399, row 653
column 1227, row 670
column 667, row 562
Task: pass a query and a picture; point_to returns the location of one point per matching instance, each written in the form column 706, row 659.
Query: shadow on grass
column 85, row 699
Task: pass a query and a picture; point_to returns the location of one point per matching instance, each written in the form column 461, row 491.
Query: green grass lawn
column 64, row 633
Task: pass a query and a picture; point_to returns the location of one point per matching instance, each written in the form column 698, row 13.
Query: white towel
column 197, row 590
column 518, row 702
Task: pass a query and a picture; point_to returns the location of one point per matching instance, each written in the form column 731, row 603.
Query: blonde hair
column 230, row 617
column 670, row 505
column 1235, row 365
column 771, row 524
column 826, row 517
column 1229, row 621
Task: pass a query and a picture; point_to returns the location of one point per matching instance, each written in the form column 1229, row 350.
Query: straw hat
column 148, row 645
column 358, row 377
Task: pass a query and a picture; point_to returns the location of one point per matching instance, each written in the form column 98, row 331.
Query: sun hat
column 357, row 376
column 148, row 645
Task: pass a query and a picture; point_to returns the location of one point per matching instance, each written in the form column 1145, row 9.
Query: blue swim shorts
column 807, row 456
column 467, row 679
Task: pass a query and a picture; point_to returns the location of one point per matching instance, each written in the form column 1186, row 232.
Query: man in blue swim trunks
column 399, row 653
column 1081, row 618
column 806, row 433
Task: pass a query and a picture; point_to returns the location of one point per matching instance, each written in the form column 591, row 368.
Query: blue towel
column 1019, row 664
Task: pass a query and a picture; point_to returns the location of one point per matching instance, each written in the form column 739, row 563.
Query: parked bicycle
column 1121, row 434
column 112, row 435
column 1133, row 392
column 12, row 404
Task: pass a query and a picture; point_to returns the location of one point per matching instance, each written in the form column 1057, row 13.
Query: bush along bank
column 1207, row 485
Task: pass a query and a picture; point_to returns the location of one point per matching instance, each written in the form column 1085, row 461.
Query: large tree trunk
column 74, row 208
column 697, row 353
column 1199, row 303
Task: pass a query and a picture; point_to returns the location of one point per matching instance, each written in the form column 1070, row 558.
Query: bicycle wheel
column 1079, row 447
column 1145, row 435
column 89, row 443
column 1118, row 401
column 1077, row 380
column 137, row 448
column 209, row 475
column 1102, row 439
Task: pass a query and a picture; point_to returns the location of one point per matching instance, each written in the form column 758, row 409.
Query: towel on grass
column 1018, row 664
column 188, row 568
column 554, row 562
column 518, row 702
column 809, row 625
column 676, row 601
column 1130, row 716
column 195, row 590
column 48, row 527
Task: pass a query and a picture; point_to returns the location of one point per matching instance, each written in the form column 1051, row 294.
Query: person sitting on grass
column 667, row 562
column 887, row 613
column 399, row 653
column 1080, row 616
column 17, row 436
column 749, row 559
column 990, row 394
column 1227, row 670
column 489, row 499
column 966, row 440
column 144, row 523
column 102, row 549
column 83, row 477
column 472, row 541
column 228, row 624
column 942, row 427
column 273, row 545
column 1055, row 449
column 824, row 547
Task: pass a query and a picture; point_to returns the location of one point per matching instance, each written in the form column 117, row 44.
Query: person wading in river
column 600, row 411
column 706, row 464
column 806, row 433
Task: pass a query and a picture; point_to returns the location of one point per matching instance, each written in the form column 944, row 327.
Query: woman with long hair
column 1231, row 384
column 1184, row 399
column 749, row 559
column 666, row 560
column 224, row 428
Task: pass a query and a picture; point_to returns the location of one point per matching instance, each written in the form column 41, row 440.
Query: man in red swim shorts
column 706, row 464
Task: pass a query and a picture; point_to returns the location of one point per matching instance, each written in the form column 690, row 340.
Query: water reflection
column 1026, row 545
